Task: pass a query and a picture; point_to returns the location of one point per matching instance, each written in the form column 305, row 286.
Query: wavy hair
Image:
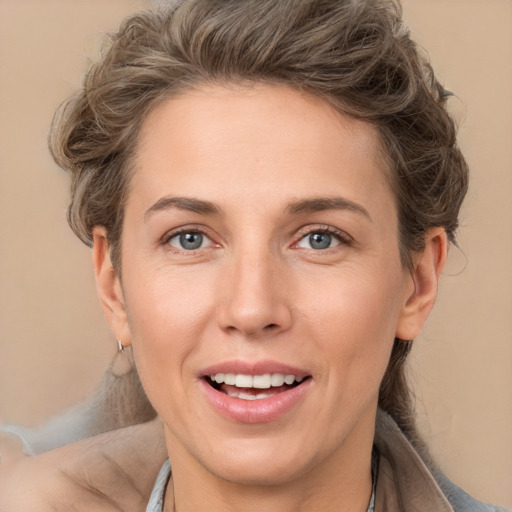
column 355, row 54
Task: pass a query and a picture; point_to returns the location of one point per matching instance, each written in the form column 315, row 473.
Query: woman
column 269, row 206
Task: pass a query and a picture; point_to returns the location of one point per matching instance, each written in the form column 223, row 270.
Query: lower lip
column 264, row 410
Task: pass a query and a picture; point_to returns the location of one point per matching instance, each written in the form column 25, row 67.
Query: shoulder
column 405, row 482
column 460, row 500
column 108, row 472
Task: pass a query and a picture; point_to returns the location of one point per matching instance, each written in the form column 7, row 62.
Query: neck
column 342, row 482
column 279, row 498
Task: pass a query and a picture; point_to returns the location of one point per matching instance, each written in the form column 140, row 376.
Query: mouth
column 255, row 392
column 254, row 387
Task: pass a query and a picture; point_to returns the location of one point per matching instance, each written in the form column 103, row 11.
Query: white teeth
column 261, row 381
column 230, row 379
column 247, row 396
column 257, row 381
column 226, row 378
column 243, row 381
column 277, row 379
column 260, row 396
column 289, row 379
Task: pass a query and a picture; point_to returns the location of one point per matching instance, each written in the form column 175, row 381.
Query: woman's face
column 260, row 243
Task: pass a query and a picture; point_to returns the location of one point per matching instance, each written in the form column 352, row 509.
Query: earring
column 123, row 363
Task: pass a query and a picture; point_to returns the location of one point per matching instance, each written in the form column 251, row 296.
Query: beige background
column 54, row 343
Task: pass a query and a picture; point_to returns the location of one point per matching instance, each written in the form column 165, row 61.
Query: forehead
column 253, row 140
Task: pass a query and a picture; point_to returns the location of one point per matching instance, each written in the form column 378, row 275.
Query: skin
column 257, row 290
column 116, row 470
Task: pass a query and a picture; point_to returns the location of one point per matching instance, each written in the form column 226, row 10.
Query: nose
column 254, row 298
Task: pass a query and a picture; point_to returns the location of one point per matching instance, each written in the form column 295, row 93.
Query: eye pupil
column 191, row 241
column 320, row 240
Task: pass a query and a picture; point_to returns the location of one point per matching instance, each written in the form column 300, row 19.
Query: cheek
column 159, row 296
column 167, row 312
column 353, row 317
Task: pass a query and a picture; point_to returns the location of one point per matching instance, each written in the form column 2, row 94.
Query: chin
column 267, row 474
column 257, row 465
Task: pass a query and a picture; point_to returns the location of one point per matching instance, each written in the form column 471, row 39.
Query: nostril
column 270, row 326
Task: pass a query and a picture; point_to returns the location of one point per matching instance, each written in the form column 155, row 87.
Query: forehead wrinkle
column 182, row 203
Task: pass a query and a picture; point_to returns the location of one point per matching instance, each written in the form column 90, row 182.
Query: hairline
column 197, row 83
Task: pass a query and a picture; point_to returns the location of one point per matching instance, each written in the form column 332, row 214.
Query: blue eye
column 189, row 241
column 318, row 240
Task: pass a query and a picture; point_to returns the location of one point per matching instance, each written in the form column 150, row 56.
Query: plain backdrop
column 54, row 342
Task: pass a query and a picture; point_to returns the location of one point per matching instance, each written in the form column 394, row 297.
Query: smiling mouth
column 254, row 387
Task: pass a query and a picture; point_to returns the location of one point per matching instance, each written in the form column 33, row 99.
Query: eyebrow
column 182, row 203
column 319, row 204
column 303, row 206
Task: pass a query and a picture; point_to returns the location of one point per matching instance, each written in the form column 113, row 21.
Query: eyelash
column 341, row 236
column 182, row 231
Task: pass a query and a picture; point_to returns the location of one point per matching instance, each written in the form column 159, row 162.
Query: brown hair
column 356, row 54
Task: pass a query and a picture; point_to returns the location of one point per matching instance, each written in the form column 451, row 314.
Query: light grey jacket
column 404, row 483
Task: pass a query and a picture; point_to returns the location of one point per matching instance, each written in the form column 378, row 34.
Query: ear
column 427, row 267
column 109, row 287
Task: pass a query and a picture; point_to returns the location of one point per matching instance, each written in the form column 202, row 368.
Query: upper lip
column 253, row 368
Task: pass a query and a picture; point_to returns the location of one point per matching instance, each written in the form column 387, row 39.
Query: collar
column 404, row 482
column 156, row 500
